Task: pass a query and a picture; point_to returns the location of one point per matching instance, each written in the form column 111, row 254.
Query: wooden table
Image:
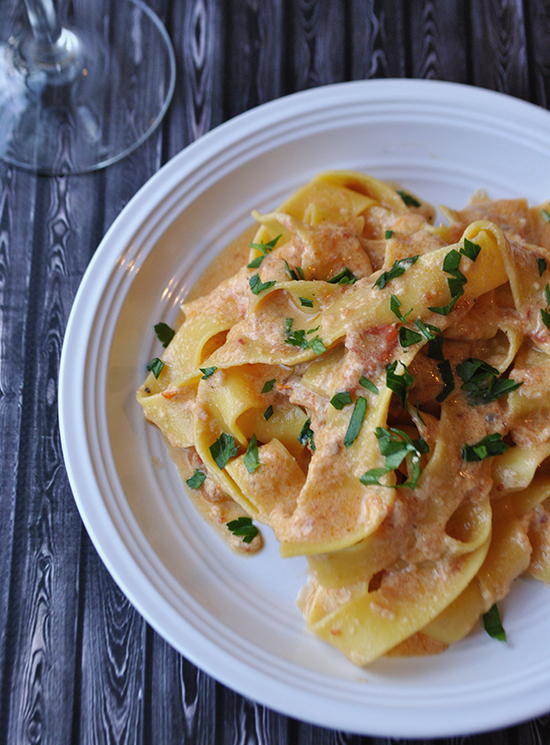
column 59, row 608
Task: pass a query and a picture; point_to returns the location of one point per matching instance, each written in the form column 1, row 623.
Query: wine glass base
column 109, row 97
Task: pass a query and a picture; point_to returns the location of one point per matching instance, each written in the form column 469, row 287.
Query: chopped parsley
column 451, row 264
column 428, row 331
column 339, row 400
column 198, row 478
column 388, row 234
column 243, row 527
column 306, row 436
column 251, row 459
column 296, row 273
column 408, row 337
column 398, row 268
column 257, row 286
column 435, row 349
column 268, row 385
column 482, row 382
column 470, row 249
column 487, row 446
column 155, row 366
column 444, row 310
column 265, row 248
column 223, row 449
column 546, row 215
column 164, row 333
column 356, row 421
column 446, row 372
column 207, row 372
column 493, row 624
column 409, row 200
column 298, row 339
column 268, row 413
column 368, row 384
column 542, row 266
column 545, row 315
column 399, row 384
column 306, row 302
column 395, row 445
column 395, row 305
column 345, row 277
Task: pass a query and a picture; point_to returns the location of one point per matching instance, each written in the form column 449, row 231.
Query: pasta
column 375, row 389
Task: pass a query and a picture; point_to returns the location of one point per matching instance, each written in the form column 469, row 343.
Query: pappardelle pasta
column 376, row 390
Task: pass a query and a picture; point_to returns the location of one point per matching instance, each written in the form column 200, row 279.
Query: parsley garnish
column 223, row 449
column 482, row 382
column 395, row 445
column 435, row 349
column 268, row 413
column 546, row 215
column 155, row 366
column 428, row 331
column 444, row 310
column 395, row 304
column 399, row 384
column 243, row 527
column 408, row 337
column 207, row 372
column 356, row 421
column 198, row 478
column 368, row 384
column 257, row 286
column 298, row 339
column 345, row 277
column 164, row 333
column 456, row 283
column 288, row 325
column 542, row 266
column 398, row 268
column 446, row 372
column 388, row 234
column 268, row 385
column 545, row 315
column 306, row 302
column 487, row 446
column 306, row 435
column 265, row 248
column 493, row 625
column 296, row 273
column 339, row 400
column 470, row 250
column 409, row 200
column 251, row 459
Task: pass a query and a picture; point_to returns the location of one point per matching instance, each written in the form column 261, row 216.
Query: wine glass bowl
column 81, row 90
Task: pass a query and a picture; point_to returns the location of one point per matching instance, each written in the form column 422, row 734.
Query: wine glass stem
column 44, row 21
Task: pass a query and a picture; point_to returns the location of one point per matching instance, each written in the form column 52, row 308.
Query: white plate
column 235, row 617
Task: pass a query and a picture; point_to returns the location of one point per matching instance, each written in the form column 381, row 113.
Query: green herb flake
column 251, row 458
column 306, row 302
column 388, row 234
column 339, row 400
column 257, row 286
column 368, row 384
column 207, row 372
column 198, row 478
column 408, row 337
column 408, row 199
column 223, row 449
column 155, row 366
column 356, row 421
column 295, row 274
column 345, row 277
column 398, row 268
column 435, row 349
column 288, row 325
column 268, row 385
column 399, row 384
column 542, row 265
column 493, row 624
column 395, row 445
column 268, row 413
column 482, row 382
column 446, row 372
column 395, row 305
column 244, row 528
column 298, row 339
column 428, row 331
column 486, row 447
column 265, row 248
column 164, row 333
column 306, row 436
column 546, row 215
column 545, row 315
column 471, row 250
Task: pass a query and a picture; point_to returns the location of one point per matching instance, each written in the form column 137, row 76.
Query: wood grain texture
column 78, row 665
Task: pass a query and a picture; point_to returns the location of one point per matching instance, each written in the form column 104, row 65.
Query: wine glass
column 81, row 86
